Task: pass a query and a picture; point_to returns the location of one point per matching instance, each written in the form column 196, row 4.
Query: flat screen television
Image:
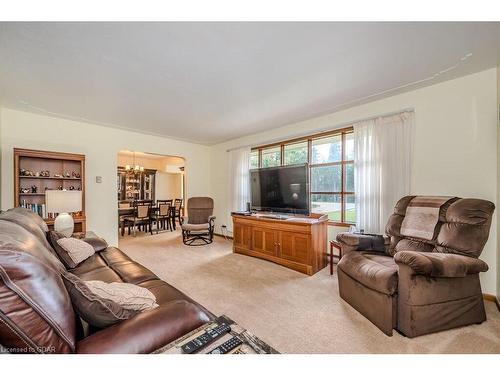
column 280, row 189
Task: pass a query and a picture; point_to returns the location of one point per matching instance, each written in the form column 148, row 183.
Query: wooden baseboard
column 492, row 298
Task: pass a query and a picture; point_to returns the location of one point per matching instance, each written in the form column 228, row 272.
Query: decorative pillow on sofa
column 71, row 251
column 128, row 296
column 98, row 312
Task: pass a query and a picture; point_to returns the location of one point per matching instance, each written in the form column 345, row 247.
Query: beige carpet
column 292, row 312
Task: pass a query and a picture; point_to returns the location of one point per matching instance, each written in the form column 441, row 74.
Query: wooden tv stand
column 298, row 243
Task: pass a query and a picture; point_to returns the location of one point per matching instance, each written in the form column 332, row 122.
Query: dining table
column 130, row 211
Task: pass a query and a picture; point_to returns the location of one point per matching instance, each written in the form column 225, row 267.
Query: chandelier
column 135, row 168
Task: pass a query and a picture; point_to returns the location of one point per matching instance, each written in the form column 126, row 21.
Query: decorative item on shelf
column 45, row 174
column 25, row 190
column 62, row 202
column 67, row 175
column 59, row 187
column 34, row 189
column 37, row 174
column 26, row 172
column 58, row 175
column 75, row 174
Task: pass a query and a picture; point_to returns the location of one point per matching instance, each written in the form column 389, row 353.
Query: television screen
column 280, row 189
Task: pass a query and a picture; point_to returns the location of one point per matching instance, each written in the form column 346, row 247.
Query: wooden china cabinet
column 136, row 186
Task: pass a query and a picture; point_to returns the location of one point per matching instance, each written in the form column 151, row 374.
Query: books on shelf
column 39, row 209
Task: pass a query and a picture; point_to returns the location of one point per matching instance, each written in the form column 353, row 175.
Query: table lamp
column 62, row 202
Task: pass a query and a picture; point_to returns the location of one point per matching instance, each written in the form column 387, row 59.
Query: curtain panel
column 382, row 166
column 239, row 181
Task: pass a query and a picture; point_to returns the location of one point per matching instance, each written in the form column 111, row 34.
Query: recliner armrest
column 440, row 264
column 147, row 331
column 352, row 241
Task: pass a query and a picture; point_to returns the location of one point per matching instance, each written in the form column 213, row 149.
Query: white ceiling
column 210, row 82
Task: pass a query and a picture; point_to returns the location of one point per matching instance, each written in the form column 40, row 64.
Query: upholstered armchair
column 423, row 275
column 198, row 226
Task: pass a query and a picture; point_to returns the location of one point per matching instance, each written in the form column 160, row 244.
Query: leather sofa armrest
column 353, row 241
column 97, row 243
column 440, row 264
column 147, row 331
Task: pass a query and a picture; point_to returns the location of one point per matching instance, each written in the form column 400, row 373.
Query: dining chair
column 163, row 214
column 177, row 211
column 123, row 205
column 141, row 218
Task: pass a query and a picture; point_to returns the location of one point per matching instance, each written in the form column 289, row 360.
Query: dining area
column 149, row 216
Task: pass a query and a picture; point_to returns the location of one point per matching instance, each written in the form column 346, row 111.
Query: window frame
column 343, row 164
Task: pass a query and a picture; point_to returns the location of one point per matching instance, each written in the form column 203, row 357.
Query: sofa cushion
column 33, row 298
column 95, row 310
column 132, row 272
column 195, row 227
column 375, row 271
column 97, row 243
column 163, row 292
column 111, row 265
column 147, row 331
column 29, row 221
column 95, row 268
column 112, row 255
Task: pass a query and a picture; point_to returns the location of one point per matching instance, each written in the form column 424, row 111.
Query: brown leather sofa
column 419, row 286
column 36, row 314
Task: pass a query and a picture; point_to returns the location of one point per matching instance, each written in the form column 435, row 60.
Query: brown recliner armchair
column 198, row 226
column 419, row 285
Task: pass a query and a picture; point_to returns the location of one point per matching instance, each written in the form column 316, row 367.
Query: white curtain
column 239, row 181
column 382, row 163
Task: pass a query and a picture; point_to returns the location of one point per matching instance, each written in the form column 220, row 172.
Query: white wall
column 168, row 185
column 498, row 183
column 100, row 146
column 455, row 149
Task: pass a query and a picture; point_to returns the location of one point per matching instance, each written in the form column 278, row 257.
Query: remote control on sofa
column 201, row 341
column 227, row 346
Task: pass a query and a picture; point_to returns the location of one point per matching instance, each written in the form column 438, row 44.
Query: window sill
column 339, row 224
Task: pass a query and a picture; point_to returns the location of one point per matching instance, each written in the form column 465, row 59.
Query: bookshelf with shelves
column 36, row 171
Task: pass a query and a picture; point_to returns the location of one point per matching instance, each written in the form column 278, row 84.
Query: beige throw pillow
column 128, row 296
column 77, row 250
column 98, row 312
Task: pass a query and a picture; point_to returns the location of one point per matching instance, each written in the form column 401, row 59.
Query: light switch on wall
column 98, row 179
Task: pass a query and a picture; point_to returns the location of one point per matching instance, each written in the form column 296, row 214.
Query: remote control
column 210, row 335
column 227, row 346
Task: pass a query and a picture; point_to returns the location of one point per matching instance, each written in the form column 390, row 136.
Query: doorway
column 146, row 177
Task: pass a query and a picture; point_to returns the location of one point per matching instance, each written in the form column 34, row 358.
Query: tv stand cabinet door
column 242, row 236
column 295, row 246
column 265, row 241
